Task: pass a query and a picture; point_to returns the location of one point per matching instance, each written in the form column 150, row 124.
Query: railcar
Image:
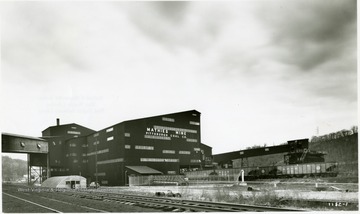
column 320, row 169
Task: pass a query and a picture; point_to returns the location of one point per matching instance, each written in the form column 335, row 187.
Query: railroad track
column 159, row 203
column 177, row 204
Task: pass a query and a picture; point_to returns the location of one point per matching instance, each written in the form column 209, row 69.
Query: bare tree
column 354, row 129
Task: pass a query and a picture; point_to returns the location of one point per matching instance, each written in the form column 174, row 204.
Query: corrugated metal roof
column 55, row 182
column 144, row 170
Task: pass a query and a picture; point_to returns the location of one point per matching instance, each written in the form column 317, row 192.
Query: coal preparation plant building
column 169, row 144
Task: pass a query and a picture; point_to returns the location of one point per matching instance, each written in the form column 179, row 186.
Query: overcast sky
column 260, row 72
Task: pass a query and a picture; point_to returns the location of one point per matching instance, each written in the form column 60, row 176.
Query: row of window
column 168, row 119
column 71, row 155
column 173, row 120
column 59, row 170
column 98, row 152
column 74, row 132
column 194, row 123
column 144, row 147
column 162, row 160
column 157, row 137
column 163, row 151
column 117, row 160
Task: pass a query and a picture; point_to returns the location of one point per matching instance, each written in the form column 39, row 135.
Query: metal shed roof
column 144, row 170
column 59, row 181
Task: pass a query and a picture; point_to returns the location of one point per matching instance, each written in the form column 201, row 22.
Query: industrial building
column 168, row 144
column 292, row 152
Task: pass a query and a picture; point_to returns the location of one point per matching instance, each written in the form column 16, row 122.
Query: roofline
column 67, row 125
column 131, row 120
column 23, row 136
column 120, row 122
column 161, row 115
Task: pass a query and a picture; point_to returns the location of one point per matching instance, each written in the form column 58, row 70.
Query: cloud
column 176, row 25
column 39, row 40
column 310, row 33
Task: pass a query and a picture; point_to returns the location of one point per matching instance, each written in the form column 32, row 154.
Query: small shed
column 67, row 182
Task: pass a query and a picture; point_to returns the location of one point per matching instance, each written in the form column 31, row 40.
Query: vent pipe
column 57, row 121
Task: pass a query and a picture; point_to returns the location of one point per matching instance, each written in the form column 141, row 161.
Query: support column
column 47, row 166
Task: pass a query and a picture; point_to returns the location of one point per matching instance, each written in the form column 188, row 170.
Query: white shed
column 67, row 182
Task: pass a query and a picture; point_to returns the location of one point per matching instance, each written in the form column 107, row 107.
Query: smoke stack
column 57, row 121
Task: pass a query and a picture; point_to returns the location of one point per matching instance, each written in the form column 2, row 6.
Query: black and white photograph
column 179, row 106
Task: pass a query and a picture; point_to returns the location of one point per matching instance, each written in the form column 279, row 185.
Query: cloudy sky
column 260, row 72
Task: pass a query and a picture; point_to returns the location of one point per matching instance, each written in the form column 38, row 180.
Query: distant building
column 170, row 144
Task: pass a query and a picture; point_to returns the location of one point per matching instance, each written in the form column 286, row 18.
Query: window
column 73, row 127
column 171, row 172
column 191, row 140
column 100, row 174
column 168, row 119
column 266, row 149
column 75, row 161
column 195, row 161
column 127, row 147
column 73, row 132
column 241, row 153
column 157, row 137
column 197, row 149
column 168, row 151
column 77, row 182
column 96, row 134
column 110, row 129
column 194, row 123
column 184, row 152
column 144, row 147
column 110, row 138
column 127, row 134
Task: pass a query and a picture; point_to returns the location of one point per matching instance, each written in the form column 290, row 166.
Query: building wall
column 167, row 143
column 76, row 157
column 105, row 155
column 57, row 136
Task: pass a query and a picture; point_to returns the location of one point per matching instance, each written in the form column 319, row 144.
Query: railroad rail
column 158, row 203
column 178, row 204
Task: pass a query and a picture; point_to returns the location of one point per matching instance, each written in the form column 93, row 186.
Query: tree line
column 13, row 169
column 326, row 137
column 335, row 135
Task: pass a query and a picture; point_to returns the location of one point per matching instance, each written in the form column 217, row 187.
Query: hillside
column 13, row 169
column 343, row 150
